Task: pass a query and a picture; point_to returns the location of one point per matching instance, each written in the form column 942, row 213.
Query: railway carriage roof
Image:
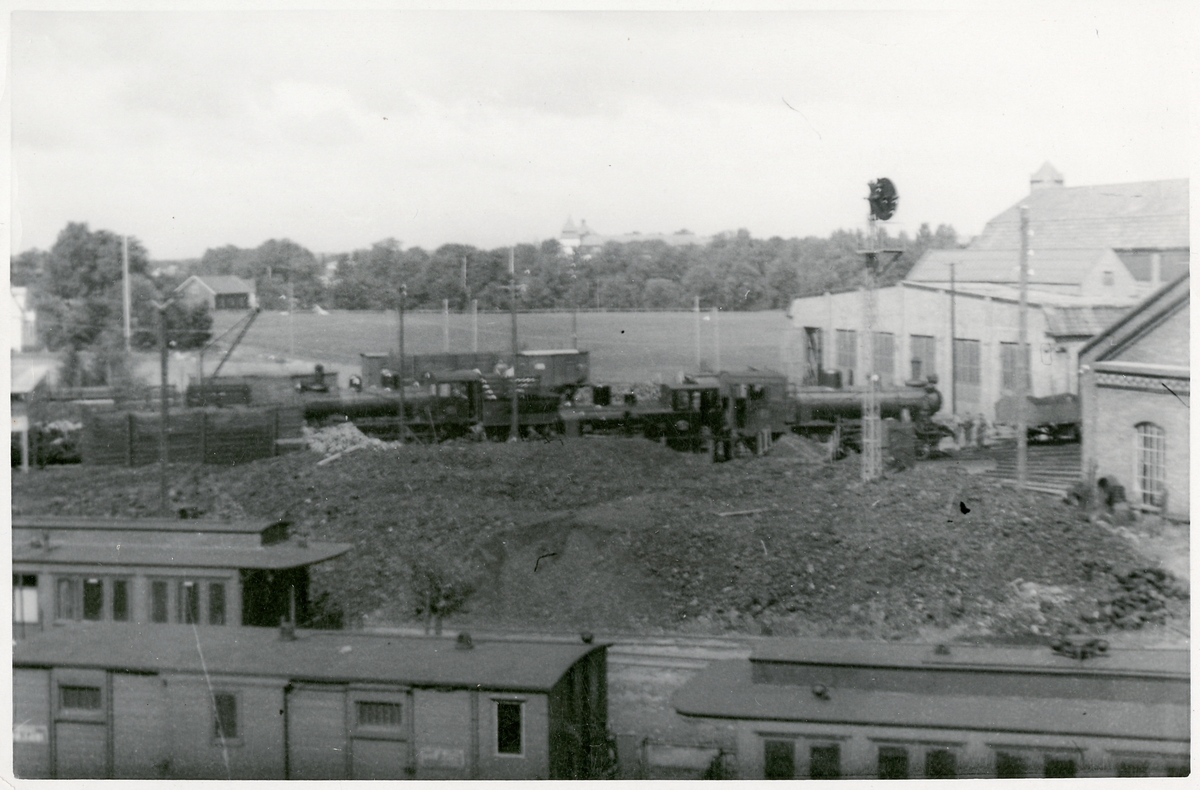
column 279, row 556
column 965, row 656
column 726, row 690
column 319, row 656
column 141, row 524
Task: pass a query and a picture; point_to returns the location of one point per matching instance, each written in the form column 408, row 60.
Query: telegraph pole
column 696, row 311
column 953, row 334
column 125, row 294
column 161, row 307
column 400, row 375
column 514, row 433
column 1023, row 362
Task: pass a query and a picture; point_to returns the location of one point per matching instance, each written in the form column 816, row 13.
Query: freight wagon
column 182, row 702
column 826, row 710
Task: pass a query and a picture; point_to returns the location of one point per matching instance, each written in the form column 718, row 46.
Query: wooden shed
column 156, row 571
column 183, row 702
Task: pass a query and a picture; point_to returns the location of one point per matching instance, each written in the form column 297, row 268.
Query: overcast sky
column 337, row 129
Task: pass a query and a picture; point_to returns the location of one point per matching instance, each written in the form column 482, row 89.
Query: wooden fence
column 210, row 436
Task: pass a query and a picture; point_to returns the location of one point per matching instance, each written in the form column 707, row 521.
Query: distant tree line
column 77, row 283
column 734, row 271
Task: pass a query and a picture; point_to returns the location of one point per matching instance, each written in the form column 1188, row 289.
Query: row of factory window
column 940, row 762
column 108, row 598
column 370, row 716
column 923, row 357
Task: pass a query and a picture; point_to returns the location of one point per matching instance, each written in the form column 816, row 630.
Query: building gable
column 1166, row 343
column 1161, row 320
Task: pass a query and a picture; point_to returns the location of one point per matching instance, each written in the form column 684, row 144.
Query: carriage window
column 120, row 600
column 378, row 714
column 1060, row 768
column 225, row 722
column 189, row 602
column 825, row 762
column 65, row 600
column 93, row 599
column 25, row 598
column 158, row 601
column 893, row 762
column 216, row 603
column 940, row 764
column 779, row 759
column 79, row 697
column 1010, row 766
column 508, row 728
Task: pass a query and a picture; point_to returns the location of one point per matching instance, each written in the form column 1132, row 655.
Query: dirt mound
column 797, row 448
column 612, row 533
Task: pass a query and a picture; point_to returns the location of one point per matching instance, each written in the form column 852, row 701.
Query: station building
column 196, row 702
column 1135, row 394
column 159, row 571
column 1095, row 252
column 858, row 710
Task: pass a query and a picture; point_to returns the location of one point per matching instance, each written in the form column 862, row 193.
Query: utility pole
column 161, row 307
column 126, row 299
column 716, row 314
column 475, row 325
column 953, row 334
column 1023, row 353
column 515, row 427
column 400, row 374
column 291, row 309
column 696, row 312
column 446, row 325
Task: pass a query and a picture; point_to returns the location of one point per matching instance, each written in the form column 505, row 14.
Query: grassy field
column 624, row 347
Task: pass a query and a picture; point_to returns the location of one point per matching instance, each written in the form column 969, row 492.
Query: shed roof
column 1047, row 266
column 1138, row 321
column 140, row 524
column 276, row 557
column 725, row 690
column 1137, row 215
column 328, row 656
column 1080, row 320
column 221, row 283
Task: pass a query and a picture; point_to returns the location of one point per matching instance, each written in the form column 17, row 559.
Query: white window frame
column 1142, row 433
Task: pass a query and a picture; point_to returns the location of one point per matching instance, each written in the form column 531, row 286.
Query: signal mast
column 882, row 200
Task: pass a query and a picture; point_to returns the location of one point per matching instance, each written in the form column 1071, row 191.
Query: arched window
column 1151, row 453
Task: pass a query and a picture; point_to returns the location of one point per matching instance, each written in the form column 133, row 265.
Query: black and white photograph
column 488, row 391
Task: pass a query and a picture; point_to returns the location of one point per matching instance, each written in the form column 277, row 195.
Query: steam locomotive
column 726, row 412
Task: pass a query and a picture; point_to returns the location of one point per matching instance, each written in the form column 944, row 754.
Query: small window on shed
column 79, row 697
column 893, row 762
column 1109, row 280
column 378, row 714
column 508, row 728
column 225, row 721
